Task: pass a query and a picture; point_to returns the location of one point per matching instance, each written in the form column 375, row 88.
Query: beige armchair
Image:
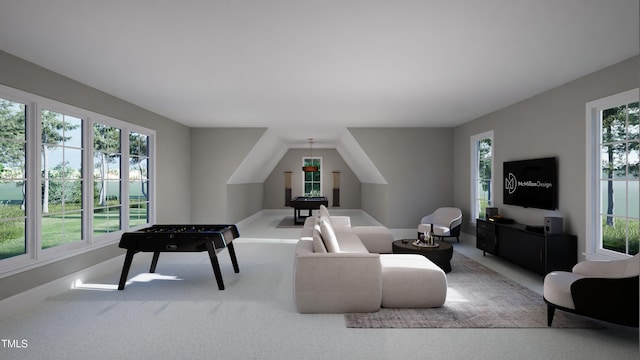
column 603, row 290
column 446, row 222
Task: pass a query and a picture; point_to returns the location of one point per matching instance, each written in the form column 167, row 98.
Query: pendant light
column 310, row 168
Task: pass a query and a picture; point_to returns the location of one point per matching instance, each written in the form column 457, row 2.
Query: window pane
column 614, row 234
column 12, row 232
column 61, row 228
column 614, row 123
column 633, row 159
column 634, row 128
column 138, row 144
column 138, row 179
column 12, row 159
column 106, row 139
column 634, row 199
column 73, row 131
column 613, row 197
column 61, row 184
column 73, row 163
column 12, row 179
column 614, row 161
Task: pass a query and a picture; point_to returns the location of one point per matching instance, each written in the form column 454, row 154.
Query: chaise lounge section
column 340, row 269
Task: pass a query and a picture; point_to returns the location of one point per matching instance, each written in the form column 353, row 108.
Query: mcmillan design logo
column 511, row 183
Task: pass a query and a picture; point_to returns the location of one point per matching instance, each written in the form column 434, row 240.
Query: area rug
column 287, row 223
column 477, row 297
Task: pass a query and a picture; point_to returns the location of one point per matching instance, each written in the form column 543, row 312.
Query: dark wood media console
column 538, row 252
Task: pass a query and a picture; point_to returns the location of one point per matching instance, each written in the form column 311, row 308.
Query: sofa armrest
column 336, row 282
column 340, row 221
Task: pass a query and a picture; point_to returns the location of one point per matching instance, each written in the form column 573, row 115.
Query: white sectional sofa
column 340, row 269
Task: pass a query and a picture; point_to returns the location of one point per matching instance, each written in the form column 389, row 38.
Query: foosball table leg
column 154, row 261
column 214, row 263
column 125, row 269
column 234, row 260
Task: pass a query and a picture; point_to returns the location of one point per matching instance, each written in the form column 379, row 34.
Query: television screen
column 531, row 183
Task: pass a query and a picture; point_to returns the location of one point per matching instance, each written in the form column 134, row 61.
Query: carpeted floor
column 477, row 297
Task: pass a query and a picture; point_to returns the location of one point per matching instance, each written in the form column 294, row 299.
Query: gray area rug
column 477, row 297
column 287, row 223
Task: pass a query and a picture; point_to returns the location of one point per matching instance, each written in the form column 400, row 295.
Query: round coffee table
column 440, row 255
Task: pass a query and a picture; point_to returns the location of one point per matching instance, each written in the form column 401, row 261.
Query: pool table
column 306, row 203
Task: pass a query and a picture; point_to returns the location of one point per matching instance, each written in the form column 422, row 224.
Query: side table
column 440, row 255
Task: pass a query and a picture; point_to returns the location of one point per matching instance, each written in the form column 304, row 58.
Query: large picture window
column 481, row 173
column 613, row 164
column 70, row 180
column 61, row 168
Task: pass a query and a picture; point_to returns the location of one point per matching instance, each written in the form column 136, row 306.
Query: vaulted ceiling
column 312, row 68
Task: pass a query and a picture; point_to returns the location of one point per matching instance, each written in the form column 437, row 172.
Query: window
column 107, row 179
column 481, row 173
column 312, row 181
column 13, row 178
column 61, row 178
column 70, row 180
column 613, row 159
column 138, row 179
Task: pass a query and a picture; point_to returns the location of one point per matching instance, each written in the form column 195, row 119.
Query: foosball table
column 180, row 238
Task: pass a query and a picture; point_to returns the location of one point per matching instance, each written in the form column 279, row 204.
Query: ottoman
column 411, row 281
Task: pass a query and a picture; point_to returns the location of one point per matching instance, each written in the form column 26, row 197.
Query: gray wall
column 173, row 169
column 552, row 123
column 216, row 153
column 418, row 166
column 331, row 161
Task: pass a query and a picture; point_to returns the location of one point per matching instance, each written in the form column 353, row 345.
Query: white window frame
column 320, row 170
column 35, row 256
column 594, row 250
column 474, row 172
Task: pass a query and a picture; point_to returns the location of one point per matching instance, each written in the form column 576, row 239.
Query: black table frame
column 309, row 203
column 161, row 238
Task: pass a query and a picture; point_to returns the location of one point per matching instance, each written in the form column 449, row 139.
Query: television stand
column 527, row 246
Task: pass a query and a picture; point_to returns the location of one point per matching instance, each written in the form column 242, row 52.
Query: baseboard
column 240, row 224
column 38, row 294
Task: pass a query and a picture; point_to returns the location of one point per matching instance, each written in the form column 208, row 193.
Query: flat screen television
column 531, row 183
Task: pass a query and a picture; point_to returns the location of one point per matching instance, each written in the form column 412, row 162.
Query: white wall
column 173, row 168
column 418, row 166
column 549, row 124
column 216, row 153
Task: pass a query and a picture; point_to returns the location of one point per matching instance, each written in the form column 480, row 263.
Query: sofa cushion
column 377, row 239
column 349, row 241
column 323, row 211
column 412, row 281
column 318, row 243
column 328, row 235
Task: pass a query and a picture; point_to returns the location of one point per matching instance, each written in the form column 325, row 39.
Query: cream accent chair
column 603, row 290
column 446, row 222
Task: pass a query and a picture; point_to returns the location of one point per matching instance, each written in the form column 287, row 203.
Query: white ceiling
column 310, row 68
